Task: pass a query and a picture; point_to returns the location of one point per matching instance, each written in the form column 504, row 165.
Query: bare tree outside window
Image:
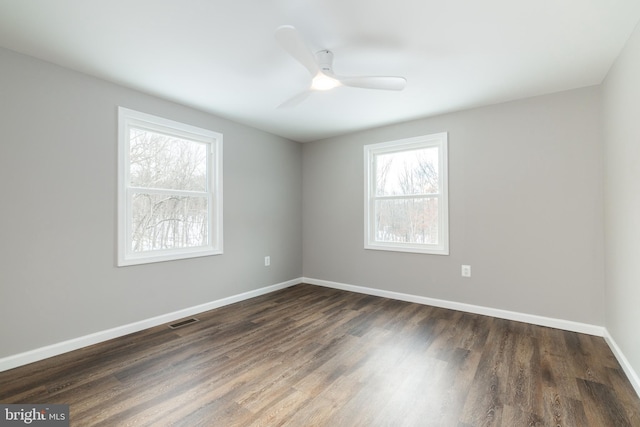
column 163, row 220
column 403, row 218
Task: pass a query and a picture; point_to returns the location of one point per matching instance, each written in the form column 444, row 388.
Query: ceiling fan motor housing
column 324, row 59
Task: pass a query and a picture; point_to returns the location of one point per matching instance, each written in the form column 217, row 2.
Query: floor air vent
column 183, row 323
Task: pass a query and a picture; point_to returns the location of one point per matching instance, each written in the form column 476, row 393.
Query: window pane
column 163, row 221
column 407, row 172
column 407, row 221
column 162, row 161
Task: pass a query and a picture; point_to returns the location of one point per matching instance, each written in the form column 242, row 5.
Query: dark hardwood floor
column 312, row 356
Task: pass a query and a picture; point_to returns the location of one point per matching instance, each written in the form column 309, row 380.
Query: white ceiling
column 221, row 56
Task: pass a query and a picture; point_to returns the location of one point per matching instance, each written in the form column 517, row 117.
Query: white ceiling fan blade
column 374, row 82
column 295, row 100
column 290, row 40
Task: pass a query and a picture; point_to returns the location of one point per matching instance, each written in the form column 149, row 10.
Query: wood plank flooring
column 312, row 356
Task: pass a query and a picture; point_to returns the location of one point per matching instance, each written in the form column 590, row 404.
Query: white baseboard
column 566, row 325
column 41, row 353
column 626, row 366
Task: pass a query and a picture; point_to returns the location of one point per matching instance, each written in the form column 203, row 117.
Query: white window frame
column 128, row 119
column 440, row 141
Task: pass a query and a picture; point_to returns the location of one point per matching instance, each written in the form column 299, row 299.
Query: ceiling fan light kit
column 320, row 66
column 323, row 82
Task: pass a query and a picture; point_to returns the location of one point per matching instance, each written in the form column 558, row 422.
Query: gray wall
column 58, row 278
column 621, row 108
column 525, row 191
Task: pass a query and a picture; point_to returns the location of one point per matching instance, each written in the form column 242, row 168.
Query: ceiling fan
column 320, row 67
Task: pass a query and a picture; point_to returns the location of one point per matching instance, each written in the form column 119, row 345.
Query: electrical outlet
column 267, row 261
column 466, row 271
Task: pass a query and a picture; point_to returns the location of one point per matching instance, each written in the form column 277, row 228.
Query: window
column 406, row 207
column 169, row 190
